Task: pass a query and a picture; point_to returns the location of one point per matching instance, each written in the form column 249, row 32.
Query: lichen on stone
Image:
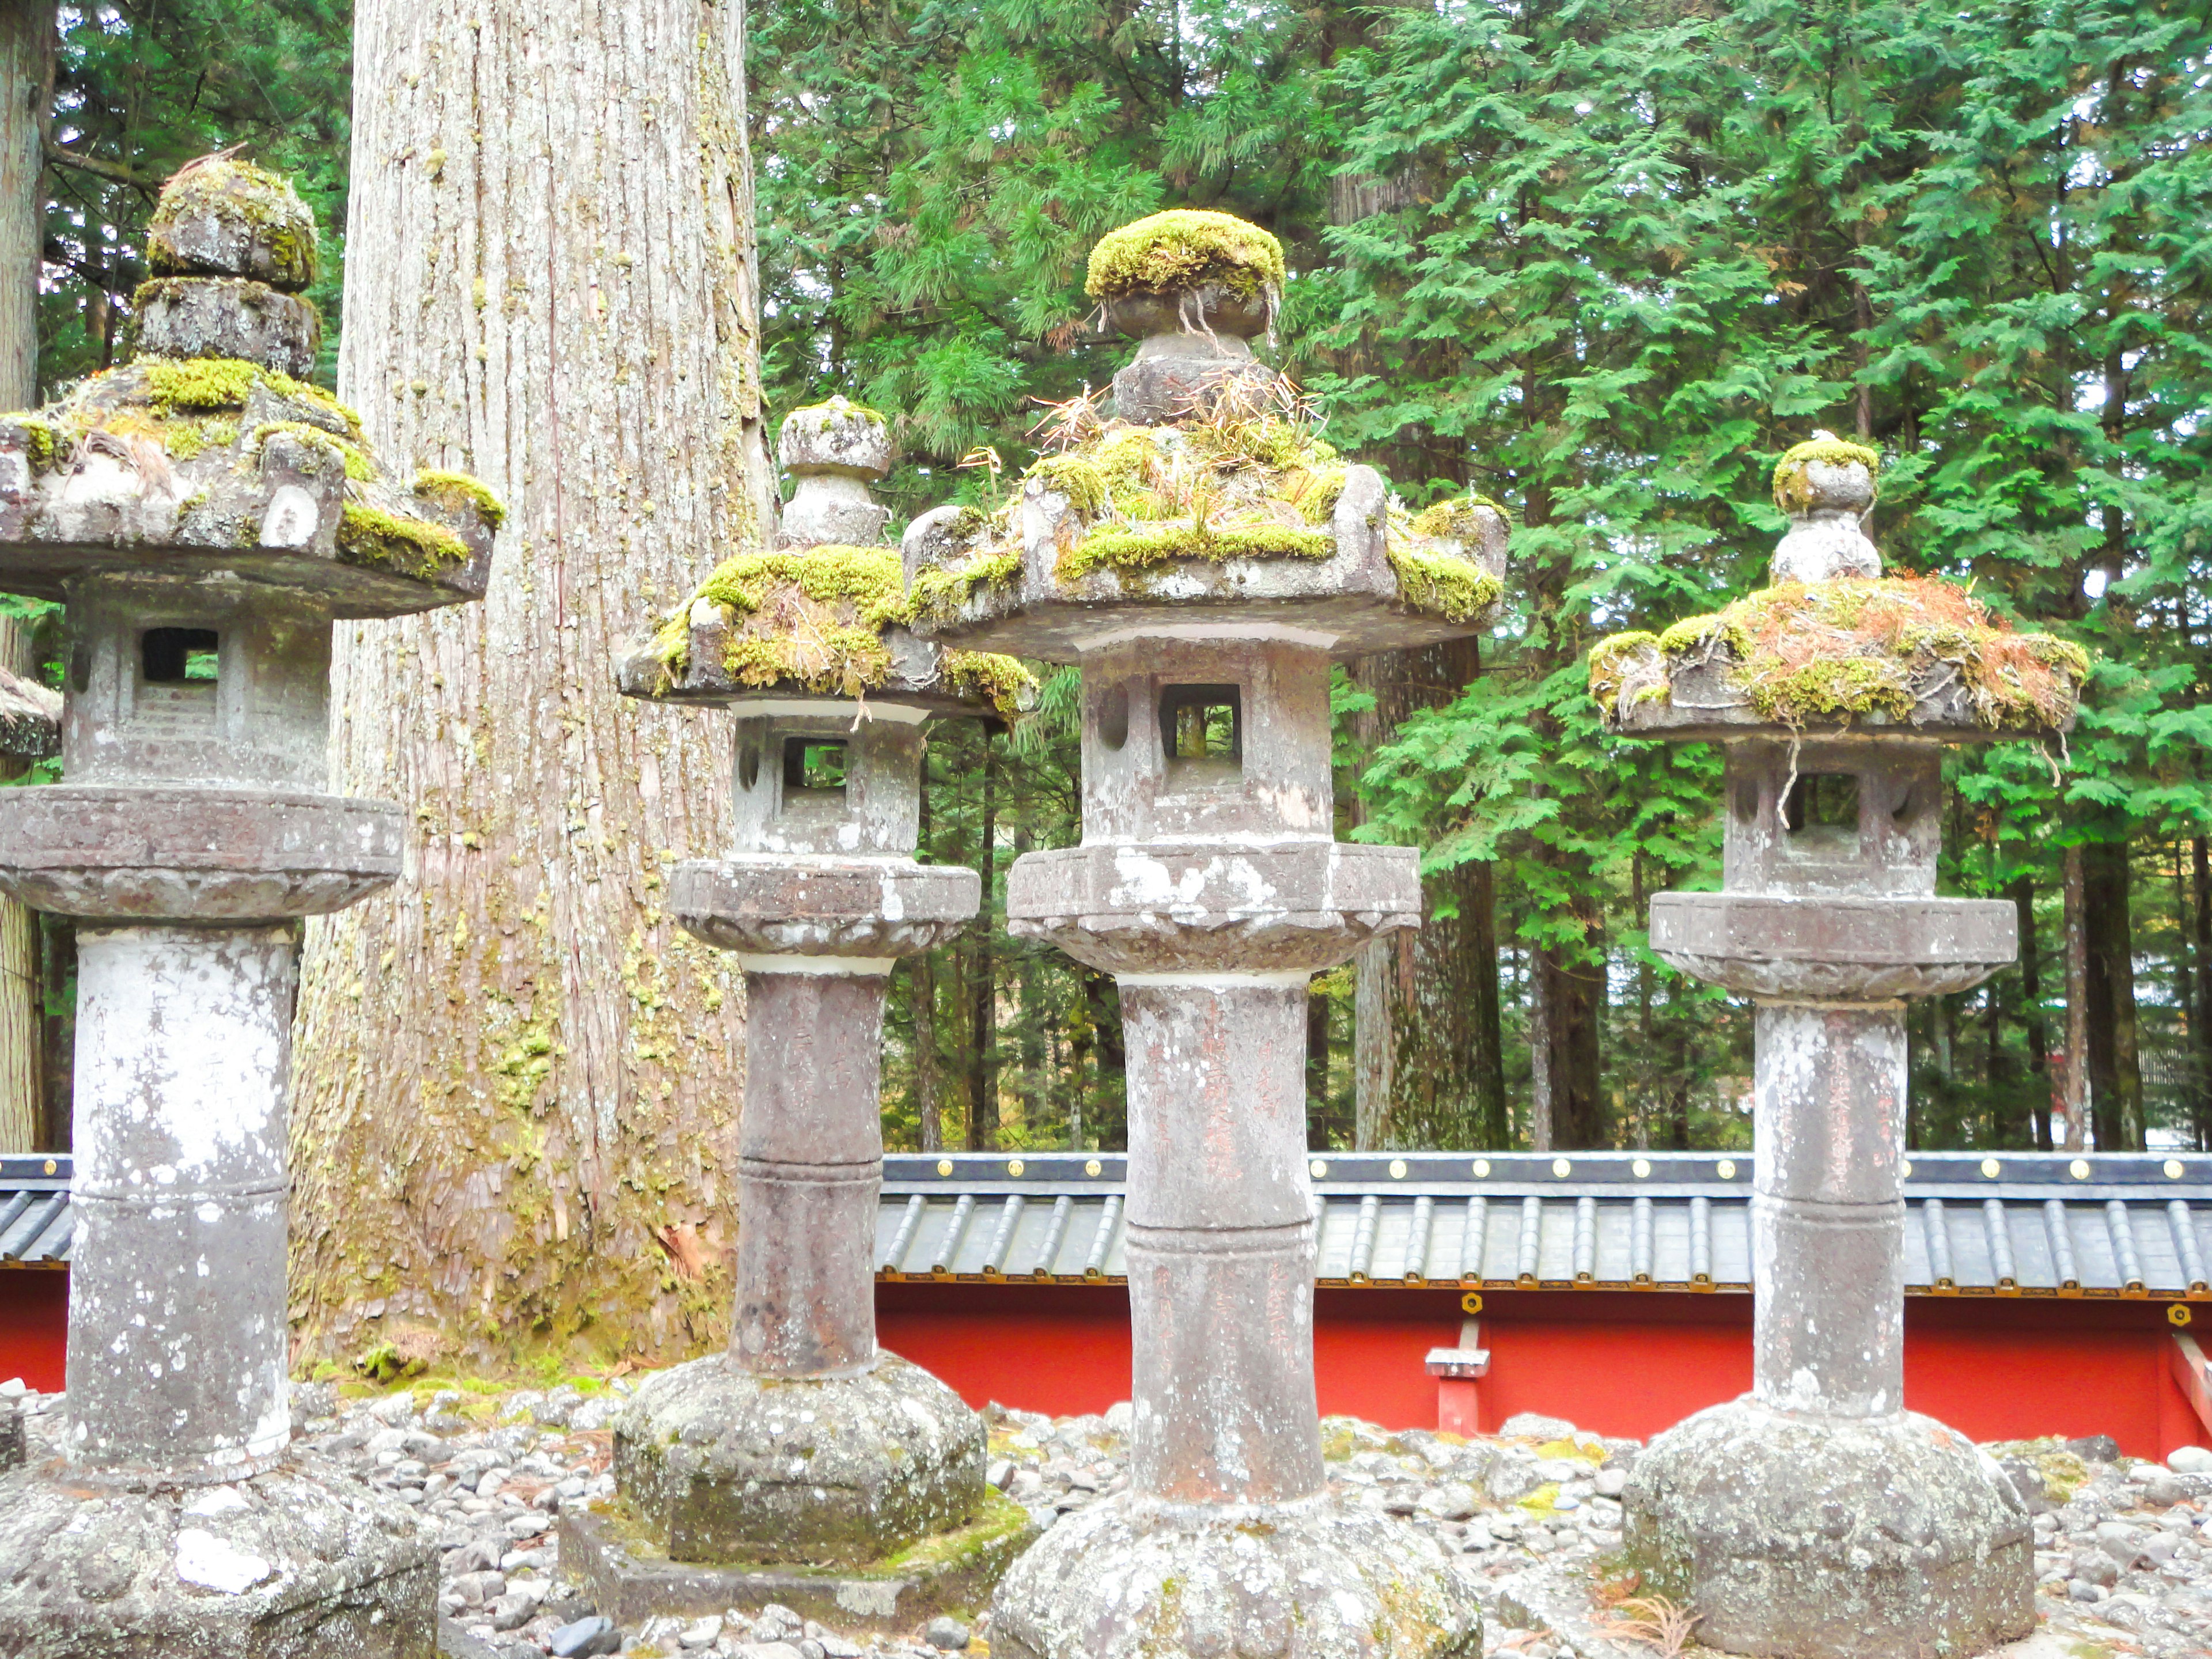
column 1791, row 491
column 1076, row 476
column 459, row 492
column 825, row 415
column 814, row 617
column 1609, row 661
column 1184, row 248
column 1443, row 584
column 412, row 547
column 1139, row 549
column 223, row 383
column 43, row 443
column 1837, row 650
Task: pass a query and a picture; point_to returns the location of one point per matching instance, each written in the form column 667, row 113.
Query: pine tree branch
column 119, row 172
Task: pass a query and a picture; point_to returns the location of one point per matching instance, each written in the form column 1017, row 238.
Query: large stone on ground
column 1831, row 1538
column 1133, row 1578
column 300, row 1563
column 718, row 1464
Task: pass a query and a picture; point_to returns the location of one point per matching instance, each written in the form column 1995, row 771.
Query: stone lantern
column 805, row 1441
column 1815, row 1516
column 1205, row 571
column 205, row 518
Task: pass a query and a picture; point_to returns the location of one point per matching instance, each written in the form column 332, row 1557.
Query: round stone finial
column 220, row 216
column 839, row 439
column 1825, row 486
column 1188, row 271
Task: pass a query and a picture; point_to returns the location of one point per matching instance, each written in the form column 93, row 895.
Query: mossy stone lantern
column 805, row 1441
column 205, row 518
column 1204, row 573
column 1815, row 1516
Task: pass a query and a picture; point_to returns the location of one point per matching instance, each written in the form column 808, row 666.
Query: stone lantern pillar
column 1204, row 577
column 205, row 518
column 1816, row 1516
column 805, row 1442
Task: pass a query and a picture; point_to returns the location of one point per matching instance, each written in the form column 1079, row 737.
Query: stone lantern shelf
column 205, row 517
column 804, row 1442
column 1205, row 570
column 1815, row 1516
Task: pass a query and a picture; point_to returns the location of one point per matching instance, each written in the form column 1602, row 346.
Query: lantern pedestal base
column 298, row 1562
column 719, row 1465
column 1313, row 1579
column 1831, row 1538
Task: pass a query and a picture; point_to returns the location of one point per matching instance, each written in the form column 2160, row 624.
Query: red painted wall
column 33, row 1325
column 1616, row 1362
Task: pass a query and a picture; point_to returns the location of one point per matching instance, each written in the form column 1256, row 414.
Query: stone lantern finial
column 1204, row 557
column 1827, row 488
column 205, row 516
column 834, row 450
column 1833, row 693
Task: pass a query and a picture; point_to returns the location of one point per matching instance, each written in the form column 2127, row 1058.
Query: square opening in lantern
column 179, row 656
column 1202, row 731
column 1821, row 815
column 817, row 764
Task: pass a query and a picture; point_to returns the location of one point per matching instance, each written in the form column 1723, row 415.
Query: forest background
column 1601, row 261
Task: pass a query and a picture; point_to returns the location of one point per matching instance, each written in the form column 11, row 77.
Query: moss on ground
column 1183, row 248
column 1792, row 489
column 1853, row 647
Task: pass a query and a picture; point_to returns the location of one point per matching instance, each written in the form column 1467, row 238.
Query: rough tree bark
column 2200, row 876
column 2077, row 1083
column 517, row 1081
column 2022, row 892
column 1428, row 1062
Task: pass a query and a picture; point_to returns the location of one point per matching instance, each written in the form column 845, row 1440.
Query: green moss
column 1853, row 647
column 815, row 616
column 942, row 591
column 1313, row 490
column 412, row 547
column 1008, row 686
column 1457, row 589
column 1609, row 661
column 1137, row 549
column 1079, row 478
column 1695, row 633
column 1791, row 494
column 456, row 491
column 1459, row 518
column 43, row 441
column 1183, row 248
column 198, row 382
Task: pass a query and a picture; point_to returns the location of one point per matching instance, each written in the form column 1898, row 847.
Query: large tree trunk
column 2115, row 1102
column 983, row 980
column 2022, row 892
column 2200, row 878
column 2076, row 1082
column 1428, row 1063
column 517, row 1080
column 27, row 35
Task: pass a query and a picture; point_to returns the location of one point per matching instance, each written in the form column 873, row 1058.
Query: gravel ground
column 2123, row 1554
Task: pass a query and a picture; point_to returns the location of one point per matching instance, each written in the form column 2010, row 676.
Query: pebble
column 2124, row 1559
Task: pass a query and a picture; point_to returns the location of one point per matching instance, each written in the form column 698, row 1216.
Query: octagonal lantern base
column 1130, row 1577
column 719, row 1465
column 298, row 1563
column 126, row 853
column 809, row 905
column 1835, row 947
column 1831, row 1538
column 1213, row 907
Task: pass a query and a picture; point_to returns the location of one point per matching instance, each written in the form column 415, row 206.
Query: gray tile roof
column 37, row 1227
column 2003, row 1224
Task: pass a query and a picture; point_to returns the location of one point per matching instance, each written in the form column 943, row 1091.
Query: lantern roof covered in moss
column 1835, row 647
column 203, row 456
column 810, row 625
column 1185, row 248
column 1233, row 519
